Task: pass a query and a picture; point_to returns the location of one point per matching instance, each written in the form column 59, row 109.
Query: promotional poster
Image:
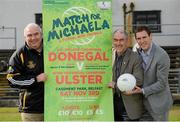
column 77, row 37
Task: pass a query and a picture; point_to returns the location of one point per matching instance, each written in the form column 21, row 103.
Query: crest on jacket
column 31, row 65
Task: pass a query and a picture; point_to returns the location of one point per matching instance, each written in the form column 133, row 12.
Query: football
column 126, row 82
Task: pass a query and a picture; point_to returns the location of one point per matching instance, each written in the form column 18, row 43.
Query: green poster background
column 77, row 57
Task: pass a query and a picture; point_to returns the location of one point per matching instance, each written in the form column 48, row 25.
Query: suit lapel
column 151, row 57
column 113, row 56
column 113, row 64
column 125, row 61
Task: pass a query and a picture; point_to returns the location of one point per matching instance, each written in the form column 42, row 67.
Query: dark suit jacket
column 132, row 64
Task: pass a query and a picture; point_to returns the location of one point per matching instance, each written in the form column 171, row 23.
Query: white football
column 126, row 82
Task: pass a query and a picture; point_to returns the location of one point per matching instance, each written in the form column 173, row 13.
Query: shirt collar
column 122, row 55
column 148, row 52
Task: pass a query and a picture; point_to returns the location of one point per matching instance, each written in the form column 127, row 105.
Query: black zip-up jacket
column 24, row 65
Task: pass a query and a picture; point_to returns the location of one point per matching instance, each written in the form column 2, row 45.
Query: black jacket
column 24, row 65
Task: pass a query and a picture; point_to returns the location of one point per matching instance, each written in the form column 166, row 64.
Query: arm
column 162, row 71
column 17, row 75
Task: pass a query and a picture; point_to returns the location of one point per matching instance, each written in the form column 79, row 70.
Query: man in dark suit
column 125, row 61
column 156, row 63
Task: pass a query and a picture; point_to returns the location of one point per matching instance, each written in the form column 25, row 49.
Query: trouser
column 32, row 117
column 119, row 109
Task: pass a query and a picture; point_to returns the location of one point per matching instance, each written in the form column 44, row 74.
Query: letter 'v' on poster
column 77, row 43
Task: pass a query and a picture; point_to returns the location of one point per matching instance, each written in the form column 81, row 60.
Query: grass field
column 11, row 114
column 175, row 113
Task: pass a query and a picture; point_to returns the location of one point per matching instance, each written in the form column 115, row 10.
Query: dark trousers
column 119, row 109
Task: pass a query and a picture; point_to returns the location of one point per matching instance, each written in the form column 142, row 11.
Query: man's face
column 144, row 40
column 120, row 42
column 33, row 37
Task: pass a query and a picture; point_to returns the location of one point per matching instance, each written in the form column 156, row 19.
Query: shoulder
column 21, row 49
column 133, row 55
column 160, row 52
column 18, row 52
column 161, row 56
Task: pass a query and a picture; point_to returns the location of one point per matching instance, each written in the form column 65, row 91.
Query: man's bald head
column 32, row 25
column 33, row 36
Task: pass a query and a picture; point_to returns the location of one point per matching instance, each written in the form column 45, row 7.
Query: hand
column 41, row 77
column 111, row 84
column 137, row 90
column 130, row 92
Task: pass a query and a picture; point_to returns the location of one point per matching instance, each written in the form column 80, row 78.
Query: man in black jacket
column 26, row 72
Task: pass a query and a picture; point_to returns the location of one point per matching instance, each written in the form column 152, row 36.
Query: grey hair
column 34, row 25
column 122, row 32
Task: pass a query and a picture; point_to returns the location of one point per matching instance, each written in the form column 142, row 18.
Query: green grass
column 12, row 114
column 9, row 114
column 174, row 114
